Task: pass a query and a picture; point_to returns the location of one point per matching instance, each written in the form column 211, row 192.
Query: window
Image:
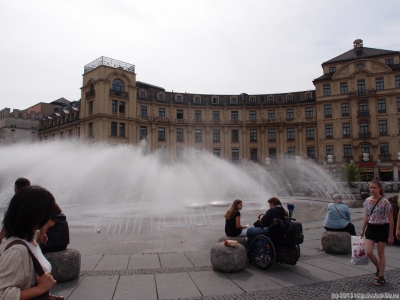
column 310, row 133
column 161, row 134
column 346, row 130
column 332, row 69
column 61, row 135
column 309, row 112
column 216, row 136
column 253, row 155
column 252, row 115
column 217, row 152
column 179, row 134
column 398, row 104
column 327, row 89
column 122, row 107
column 215, row 115
column 289, row 98
column 379, row 84
column 179, row 114
column 113, row 128
column 70, row 133
column 290, row 134
column 215, row 101
column 345, row 110
column 398, row 125
column 328, row 111
column 235, row 135
column 118, row 87
column 197, row 100
column 114, row 105
column 122, row 129
column 343, row 88
column 397, row 79
column 389, row 61
column 160, row 97
column 197, row 135
column 359, row 66
column 271, row 114
column 289, row 114
column 90, row 131
column 271, row 135
column 364, row 130
column 382, row 127
column 143, row 111
column 311, row 152
column 308, row 96
column 178, row 98
column 235, row 154
column 143, row 132
column 142, row 95
column 347, row 151
column 381, row 106
column 234, row 116
column 384, row 148
column 272, row 153
column 365, row 148
column 329, row 131
column 252, row 100
column 363, row 109
column 234, row 101
column 291, row 151
column 361, row 87
column 197, row 115
column 161, row 112
column 329, row 150
column 90, row 108
column 270, row 99
column 253, row 135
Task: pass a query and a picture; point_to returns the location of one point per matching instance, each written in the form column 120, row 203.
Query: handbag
column 340, row 213
column 39, row 271
column 358, row 253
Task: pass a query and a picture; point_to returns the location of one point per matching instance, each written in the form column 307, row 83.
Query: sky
column 204, row 46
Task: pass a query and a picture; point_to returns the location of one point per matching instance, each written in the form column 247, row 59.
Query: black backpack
column 285, row 233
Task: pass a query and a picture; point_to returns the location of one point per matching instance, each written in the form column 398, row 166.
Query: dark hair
column 379, row 184
column 29, row 209
column 231, row 212
column 21, row 182
column 275, row 201
column 57, row 209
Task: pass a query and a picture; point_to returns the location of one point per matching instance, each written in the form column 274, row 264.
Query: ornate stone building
column 354, row 109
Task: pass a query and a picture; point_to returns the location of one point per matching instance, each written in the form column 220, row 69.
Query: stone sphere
column 66, row 264
column 336, row 242
column 228, row 259
column 241, row 239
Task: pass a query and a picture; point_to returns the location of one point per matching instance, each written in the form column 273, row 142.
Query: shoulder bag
column 371, row 213
column 340, row 213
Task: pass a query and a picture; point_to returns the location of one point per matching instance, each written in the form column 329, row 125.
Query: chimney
column 24, row 114
column 6, row 112
column 40, row 116
column 15, row 113
column 33, row 115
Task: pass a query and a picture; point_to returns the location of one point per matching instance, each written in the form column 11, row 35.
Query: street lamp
column 366, row 159
column 330, row 161
column 378, row 164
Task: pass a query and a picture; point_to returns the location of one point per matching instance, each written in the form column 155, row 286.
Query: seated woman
column 57, row 232
column 275, row 211
column 28, row 211
column 338, row 216
column 232, row 220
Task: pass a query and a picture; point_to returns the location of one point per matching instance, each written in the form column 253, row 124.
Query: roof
column 365, row 53
column 61, row 100
column 324, row 77
column 145, row 85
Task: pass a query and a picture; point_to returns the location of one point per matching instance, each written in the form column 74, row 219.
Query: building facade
column 354, row 109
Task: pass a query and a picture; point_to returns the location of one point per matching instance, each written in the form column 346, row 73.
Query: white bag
column 358, row 253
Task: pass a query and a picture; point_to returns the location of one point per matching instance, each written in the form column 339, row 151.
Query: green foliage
column 349, row 172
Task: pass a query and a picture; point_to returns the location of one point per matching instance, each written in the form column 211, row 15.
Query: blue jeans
column 253, row 232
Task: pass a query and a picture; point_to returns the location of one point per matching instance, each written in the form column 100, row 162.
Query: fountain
column 123, row 190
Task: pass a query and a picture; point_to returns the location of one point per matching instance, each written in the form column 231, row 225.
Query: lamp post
column 330, row 161
column 366, row 159
column 378, row 164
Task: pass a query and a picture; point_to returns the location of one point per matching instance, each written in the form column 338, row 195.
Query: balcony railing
column 363, row 113
column 328, row 116
column 346, row 135
column 383, row 133
column 381, row 111
column 198, row 121
column 119, row 93
column 235, row 160
column 310, row 138
column 364, row 135
column 91, row 93
column 253, row 139
column 345, row 114
column 329, row 137
column 347, row 158
column 362, row 92
column 290, row 139
column 371, row 158
column 385, row 157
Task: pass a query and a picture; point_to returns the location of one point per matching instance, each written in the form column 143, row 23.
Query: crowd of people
column 33, row 224
column 377, row 228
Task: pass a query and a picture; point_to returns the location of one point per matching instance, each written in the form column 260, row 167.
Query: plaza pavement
column 175, row 264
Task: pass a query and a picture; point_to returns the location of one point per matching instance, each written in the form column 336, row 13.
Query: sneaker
column 380, row 281
column 377, row 274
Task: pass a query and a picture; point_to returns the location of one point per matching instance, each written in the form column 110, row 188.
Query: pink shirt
column 380, row 214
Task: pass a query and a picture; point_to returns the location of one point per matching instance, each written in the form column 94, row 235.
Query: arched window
column 118, row 86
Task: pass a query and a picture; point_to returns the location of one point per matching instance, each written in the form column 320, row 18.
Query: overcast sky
column 203, row 46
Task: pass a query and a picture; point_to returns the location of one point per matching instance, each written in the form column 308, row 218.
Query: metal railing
column 385, row 157
column 363, row 113
column 364, row 135
column 109, row 62
column 119, row 93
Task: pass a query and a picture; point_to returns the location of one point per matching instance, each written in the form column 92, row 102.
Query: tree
column 349, row 172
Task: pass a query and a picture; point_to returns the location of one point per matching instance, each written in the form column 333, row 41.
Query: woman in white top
column 378, row 222
column 28, row 211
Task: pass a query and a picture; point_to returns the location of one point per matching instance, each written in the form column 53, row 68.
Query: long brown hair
column 233, row 210
column 275, row 201
column 379, row 184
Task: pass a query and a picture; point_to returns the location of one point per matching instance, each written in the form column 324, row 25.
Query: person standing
column 378, row 228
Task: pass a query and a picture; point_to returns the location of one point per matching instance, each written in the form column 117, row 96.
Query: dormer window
column 270, row 99
column 252, row 100
column 234, row 100
column 308, row 96
column 389, row 61
column 332, row 69
column 142, row 95
column 197, row 100
column 161, row 97
column 360, row 66
column 289, row 98
column 179, row 99
column 215, row 100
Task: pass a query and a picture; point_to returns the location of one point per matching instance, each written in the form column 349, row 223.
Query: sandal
column 380, row 281
column 377, row 274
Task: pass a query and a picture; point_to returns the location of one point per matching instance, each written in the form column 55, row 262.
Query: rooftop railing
column 106, row 61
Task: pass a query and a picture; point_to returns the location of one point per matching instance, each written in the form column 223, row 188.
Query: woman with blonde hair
column 232, row 220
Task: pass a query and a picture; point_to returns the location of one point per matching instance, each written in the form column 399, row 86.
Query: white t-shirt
column 40, row 257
